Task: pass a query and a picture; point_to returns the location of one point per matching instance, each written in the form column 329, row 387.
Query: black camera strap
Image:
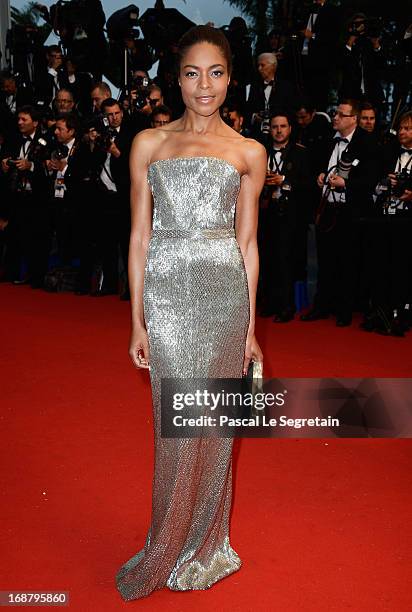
column 273, row 162
column 407, row 166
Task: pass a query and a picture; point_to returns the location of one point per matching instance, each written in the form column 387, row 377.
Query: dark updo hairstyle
column 205, row 34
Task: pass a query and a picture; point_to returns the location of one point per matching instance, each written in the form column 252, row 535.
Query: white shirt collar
column 70, row 144
column 348, row 137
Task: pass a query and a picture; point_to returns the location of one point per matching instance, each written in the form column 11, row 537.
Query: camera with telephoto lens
column 389, row 196
column 38, row 153
column 342, row 169
column 106, row 134
column 403, row 182
column 60, row 152
column 140, row 85
column 344, row 165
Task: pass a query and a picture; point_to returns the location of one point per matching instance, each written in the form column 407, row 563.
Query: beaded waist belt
column 200, row 233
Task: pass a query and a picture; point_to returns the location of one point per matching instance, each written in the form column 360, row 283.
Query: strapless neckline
column 195, row 157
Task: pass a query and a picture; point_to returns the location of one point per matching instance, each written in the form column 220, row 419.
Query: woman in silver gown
column 193, row 269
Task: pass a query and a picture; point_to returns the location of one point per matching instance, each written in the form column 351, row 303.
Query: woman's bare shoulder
column 147, row 138
column 146, row 143
column 150, row 141
column 254, row 153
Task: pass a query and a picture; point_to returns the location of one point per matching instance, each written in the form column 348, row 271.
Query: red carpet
column 321, row 525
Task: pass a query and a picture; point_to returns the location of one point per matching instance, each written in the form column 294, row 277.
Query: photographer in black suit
column 63, row 197
column 389, row 238
column 347, row 181
column 322, row 23
column 27, row 186
column 113, row 218
column 285, row 221
column 362, row 61
column 49, row 80
column 12, row 97
column 267, row 94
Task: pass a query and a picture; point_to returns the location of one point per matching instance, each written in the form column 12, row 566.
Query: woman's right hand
column 139, row 348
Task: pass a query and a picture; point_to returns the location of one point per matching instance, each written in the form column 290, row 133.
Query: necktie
column 405, row 150
column 268, row 83
column 338, row 140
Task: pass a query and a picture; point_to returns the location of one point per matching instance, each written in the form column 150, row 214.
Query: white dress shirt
column 105, row 175
column 339, row 148
column 310, row 24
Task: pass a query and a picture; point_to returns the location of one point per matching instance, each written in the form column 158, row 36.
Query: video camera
column 70, row 13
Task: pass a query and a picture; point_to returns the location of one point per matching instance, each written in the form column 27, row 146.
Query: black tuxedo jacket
column 363, row 175
column 322, row 47
column 296, row 170
column 119, row 166
column 37, row 154
column 283, row 96
column 351, row 63
column 389, row 157
column 80, row 89
column 8, row 123
column 44, row 87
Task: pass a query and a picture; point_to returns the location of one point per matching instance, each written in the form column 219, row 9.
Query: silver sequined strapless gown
column 196, row 308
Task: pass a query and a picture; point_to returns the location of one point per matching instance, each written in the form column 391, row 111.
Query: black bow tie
column 337, row 140
column 29, row 138
column 268, row 83
column 405, row 150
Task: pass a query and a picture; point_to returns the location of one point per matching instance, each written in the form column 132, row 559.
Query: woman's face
column 203, row 78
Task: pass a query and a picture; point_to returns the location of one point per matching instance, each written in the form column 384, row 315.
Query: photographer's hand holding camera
column 390, row 261
column 266, row 94
column 350, row 170
column 283, row 225
column 395, row 189
column 111, row 150
column 143, row 100
column 399, row 185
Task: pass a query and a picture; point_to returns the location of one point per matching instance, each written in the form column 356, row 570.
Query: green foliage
column 30, row 15
column 257, row 12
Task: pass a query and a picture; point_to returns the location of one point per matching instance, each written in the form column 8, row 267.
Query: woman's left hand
column 252, row 352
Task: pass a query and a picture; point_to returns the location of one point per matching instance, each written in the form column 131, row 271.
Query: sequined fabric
column 197, row 312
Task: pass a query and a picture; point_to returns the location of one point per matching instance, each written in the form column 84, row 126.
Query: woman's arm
column 141, row 227
column 246, row 234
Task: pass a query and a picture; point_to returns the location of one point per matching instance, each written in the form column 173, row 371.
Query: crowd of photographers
column 65, row 142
